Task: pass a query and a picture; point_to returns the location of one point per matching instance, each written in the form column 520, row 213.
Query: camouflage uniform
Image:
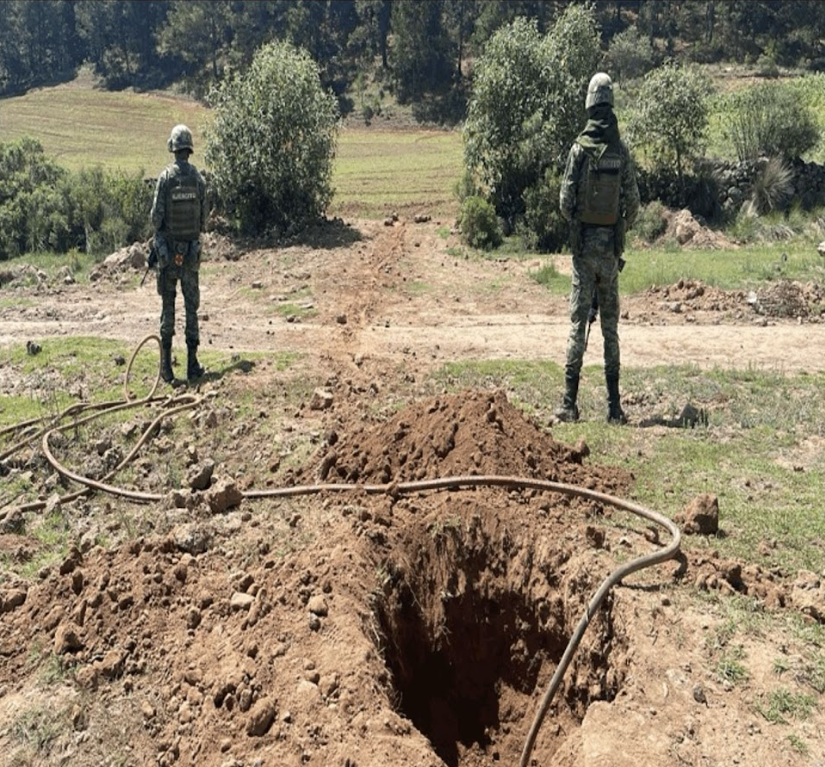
column 596, row 252
column 179, row 213
column 600, row 198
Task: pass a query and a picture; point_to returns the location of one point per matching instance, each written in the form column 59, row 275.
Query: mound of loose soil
column 689, row 233
column 695, row 295
column 473, row 433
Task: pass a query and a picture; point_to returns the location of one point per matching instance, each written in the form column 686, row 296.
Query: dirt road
column 396, row 290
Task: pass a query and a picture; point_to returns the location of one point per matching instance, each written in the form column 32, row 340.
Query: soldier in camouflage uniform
column 600, row 198
column 179, row 214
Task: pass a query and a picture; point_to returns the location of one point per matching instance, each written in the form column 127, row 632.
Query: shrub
column 32, row 212
column 545, row 229
column 44, row 207
column 772, row 187
column 478, row 224
column 651, row 223
column 771, row 120
column 630, row 55
column 671, row 118
column 107, row 209
column 272, row 142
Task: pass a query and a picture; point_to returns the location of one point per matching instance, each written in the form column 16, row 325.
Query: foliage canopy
column 272, row 142
column 770, row 119
column 528, row 104
column 670, row 121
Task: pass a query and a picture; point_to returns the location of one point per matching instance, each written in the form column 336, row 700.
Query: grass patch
column 729, row 270
column 549, row 276
column 782, row 703
column 760, row 454
column 729, row 666
column 78, row 263
column 87, row 369
column 380, row 172
column 38, row 729
column 82, row 126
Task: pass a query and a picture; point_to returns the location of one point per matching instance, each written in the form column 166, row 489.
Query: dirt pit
column 357, row 629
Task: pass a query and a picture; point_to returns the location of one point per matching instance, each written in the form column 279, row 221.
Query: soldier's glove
column 153, row 256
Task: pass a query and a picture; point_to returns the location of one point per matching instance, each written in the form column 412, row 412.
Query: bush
column 32, row 212
column 545, row 229
column 651, row 223
column 671, row 118
column 527, row 104
column 478, row 224
column 771, row 120
column 108, row 209
column 272, row 142
column 772, row 188
column 44, row 207
column 630, row 55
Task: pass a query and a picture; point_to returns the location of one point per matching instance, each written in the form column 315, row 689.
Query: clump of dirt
column 695, row 295
column 789, row 299
column 690, row 233
column 472, row 433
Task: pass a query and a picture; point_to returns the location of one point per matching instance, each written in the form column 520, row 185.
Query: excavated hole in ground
column 472, row 632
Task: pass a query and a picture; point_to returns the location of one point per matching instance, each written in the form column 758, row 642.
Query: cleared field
column 377, row 171
column 81, row 126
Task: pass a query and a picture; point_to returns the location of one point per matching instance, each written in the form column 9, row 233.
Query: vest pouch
column 183, row 208
column 600, row 191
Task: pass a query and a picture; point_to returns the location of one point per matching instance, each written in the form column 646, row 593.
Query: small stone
column 67, row 639
column 260, row 718
column 241, row 601
column 318, row 605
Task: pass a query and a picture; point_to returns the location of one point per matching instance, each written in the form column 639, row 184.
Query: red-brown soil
column 382, row 628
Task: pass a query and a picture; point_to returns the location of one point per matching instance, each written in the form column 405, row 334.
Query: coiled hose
column 187, row 401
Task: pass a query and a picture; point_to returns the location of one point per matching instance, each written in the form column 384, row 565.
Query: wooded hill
column 420, row 52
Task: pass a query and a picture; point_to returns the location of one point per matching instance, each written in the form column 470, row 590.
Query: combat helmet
column 181, row 138
column 599, row 91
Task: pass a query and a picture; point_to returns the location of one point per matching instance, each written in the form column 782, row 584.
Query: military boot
column 615, row 414
column 568, row 412
column 194, row 369
column 166, row 372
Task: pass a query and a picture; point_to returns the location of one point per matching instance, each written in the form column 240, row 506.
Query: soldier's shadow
column 242, row 365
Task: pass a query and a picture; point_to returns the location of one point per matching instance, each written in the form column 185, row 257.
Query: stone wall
column 736, row 180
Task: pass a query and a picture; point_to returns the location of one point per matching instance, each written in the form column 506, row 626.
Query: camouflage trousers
column 595, row 271
column 187, row 274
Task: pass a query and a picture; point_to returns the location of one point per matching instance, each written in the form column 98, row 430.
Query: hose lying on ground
column 188, row 401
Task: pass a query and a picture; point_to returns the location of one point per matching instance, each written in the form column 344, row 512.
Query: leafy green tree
column 197, row 34
column 118, row 36
column 32, row 214
column 421, row 50
column 323, row 28
column 630, row 55
column 39, row 43
column 771, row 119
column 670, row 120
column 374, row 27
column 528, row 105
column 272, row 142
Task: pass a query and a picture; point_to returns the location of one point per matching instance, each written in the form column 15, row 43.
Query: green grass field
column 377, row 171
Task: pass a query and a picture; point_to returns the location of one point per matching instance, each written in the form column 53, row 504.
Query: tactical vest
column 183, row 207
column 600, row 189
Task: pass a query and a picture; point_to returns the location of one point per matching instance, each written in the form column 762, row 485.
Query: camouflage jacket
column 180, row 170
column 573, row 176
